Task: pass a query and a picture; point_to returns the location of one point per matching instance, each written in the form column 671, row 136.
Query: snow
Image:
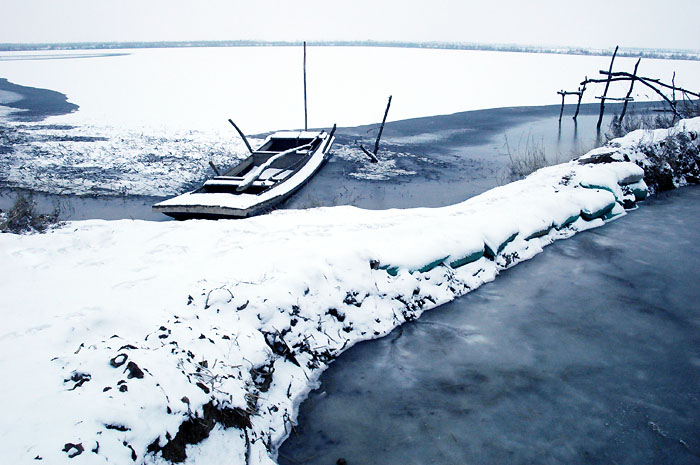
column 260, row 88
column 115, row 333
column 87, row 159
column 151, row 119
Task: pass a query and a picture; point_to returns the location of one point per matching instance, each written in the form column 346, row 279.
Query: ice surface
column 261, row 87
column 149, row 120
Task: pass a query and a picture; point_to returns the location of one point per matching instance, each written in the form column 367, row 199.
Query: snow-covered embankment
column 126, row 341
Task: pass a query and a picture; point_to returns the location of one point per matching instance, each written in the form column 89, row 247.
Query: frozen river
column 424, row 162
column 142, row 125
column 589, row 353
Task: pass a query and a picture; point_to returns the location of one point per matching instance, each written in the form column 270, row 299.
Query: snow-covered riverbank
column 128, row 340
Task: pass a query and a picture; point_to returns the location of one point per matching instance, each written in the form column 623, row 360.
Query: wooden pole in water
column 581, row 90
column 213, row 166
column 605, row 92
column 673, row 83
column 381, row 128
column 561, row 111
column 306, row 122
column 373, row 156
column 629, row 92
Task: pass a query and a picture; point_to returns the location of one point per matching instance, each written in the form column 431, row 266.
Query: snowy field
column 261, row 87
column 129, row 340
column 155, row 342
column 149, row 120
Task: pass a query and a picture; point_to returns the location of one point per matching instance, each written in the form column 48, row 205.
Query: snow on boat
column 268, row 176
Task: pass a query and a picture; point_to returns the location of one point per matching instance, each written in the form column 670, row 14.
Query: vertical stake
column 306, row 121
column 561, row 111
column 381, row 128
column 581, row 90
column 629, row 92
column 605, row 92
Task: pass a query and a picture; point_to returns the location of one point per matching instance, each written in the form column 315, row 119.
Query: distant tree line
column 624, row 52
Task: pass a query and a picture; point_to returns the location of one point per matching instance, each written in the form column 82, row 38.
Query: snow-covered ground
column 126, row 340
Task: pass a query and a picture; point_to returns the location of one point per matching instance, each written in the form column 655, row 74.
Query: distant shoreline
column 665, row 54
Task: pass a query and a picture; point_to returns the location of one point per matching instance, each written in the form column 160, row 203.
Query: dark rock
column 196, row 429
column 79, row 379
column 134, row 371
column 118, row 427
column 73, row 450
column 133, row 452
column 336, row 314
column 119, row 360
column 351, row 299
column 154, row 447
column 279, row 347
column 262, row 376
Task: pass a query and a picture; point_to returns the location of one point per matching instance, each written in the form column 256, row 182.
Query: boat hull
column 193, row 205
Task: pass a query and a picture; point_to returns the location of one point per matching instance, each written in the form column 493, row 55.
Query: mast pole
column 306, row 123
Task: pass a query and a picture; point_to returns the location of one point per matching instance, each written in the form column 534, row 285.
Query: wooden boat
column 267, row 177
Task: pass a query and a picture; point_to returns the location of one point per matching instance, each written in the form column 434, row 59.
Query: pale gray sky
column 592, row 23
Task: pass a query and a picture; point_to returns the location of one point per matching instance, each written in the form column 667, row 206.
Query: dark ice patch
column 37, row 104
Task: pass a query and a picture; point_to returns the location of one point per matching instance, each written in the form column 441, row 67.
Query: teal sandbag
column 392, row 270
column 591, row 215
column 597, row 186
column 466, row 260
column 540, row 233
column 431, row 265
column 570, row 220
column 640, row 194
column 490, row 253
column 611, row 214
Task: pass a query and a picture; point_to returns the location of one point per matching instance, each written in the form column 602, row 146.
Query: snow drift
column 133, row 341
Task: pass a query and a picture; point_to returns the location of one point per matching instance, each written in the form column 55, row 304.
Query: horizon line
column 664, row 53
